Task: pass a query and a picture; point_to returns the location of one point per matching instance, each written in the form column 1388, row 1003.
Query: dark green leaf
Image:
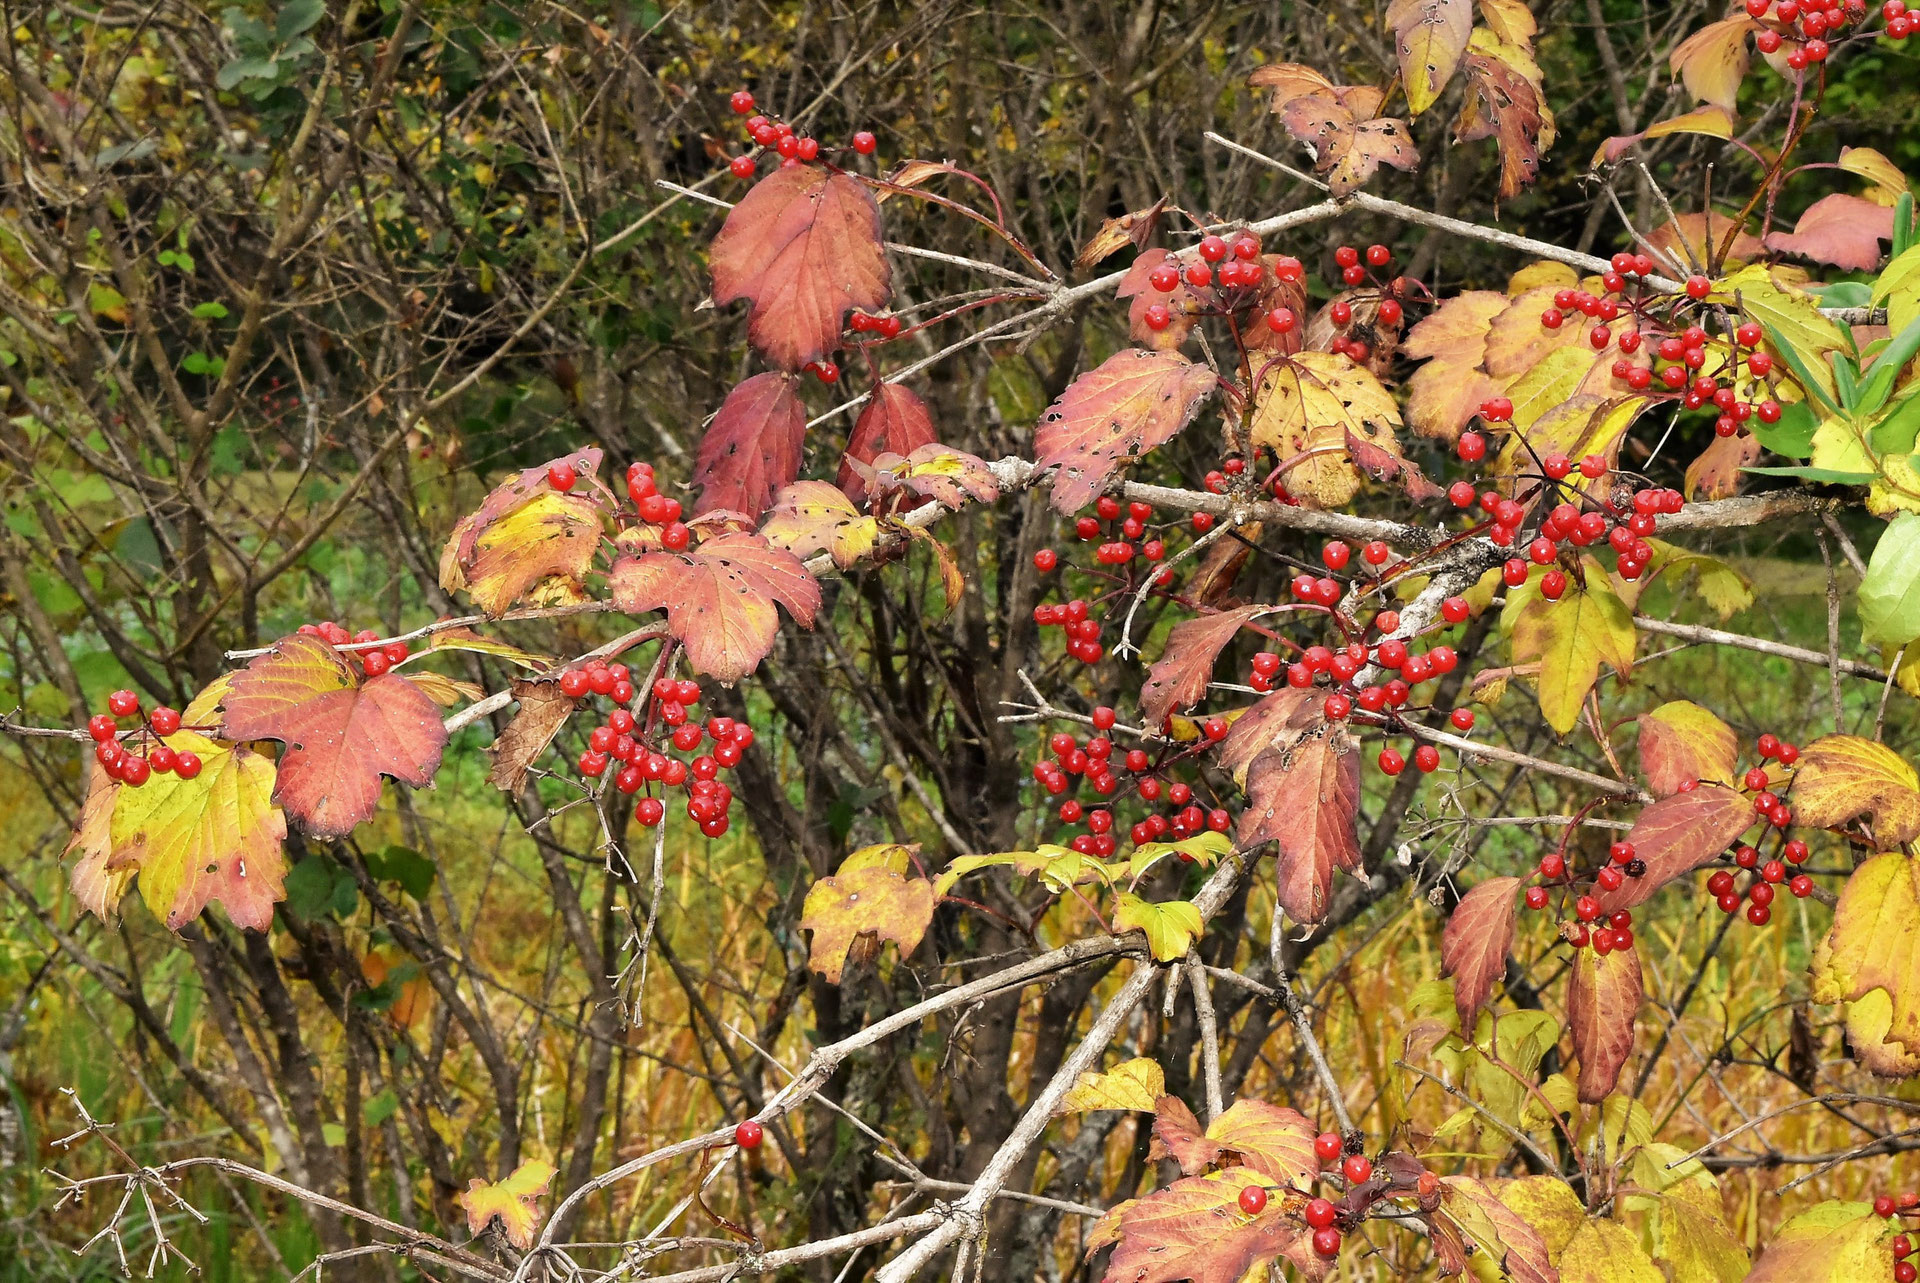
column 1828, row 476
column 412, row 870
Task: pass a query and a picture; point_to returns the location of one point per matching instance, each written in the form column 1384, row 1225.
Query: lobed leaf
column 1828, row 1243
column 1839, row 777
column 510, row 1201
column 720, row 598
column 527, row 539
column 871, row 900
column 1194, row 1229
column 814, row 516
column 1179, row 680
column 1681, row 742
column 752, row 447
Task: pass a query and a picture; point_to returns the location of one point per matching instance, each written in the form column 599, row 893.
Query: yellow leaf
column 1545, row 387
column 1828, row 1243
column 1841, row 776
column 1885, row 176
column 1691, row 1235
column 1791, row 313
column 1713, row 60
column 1132, row 1084
column 1548, row 1204
column 1307, row 406
column 214, row 837
column 1570, row 638
column 1872, row 944
column 1169, row 927
column 511, row 1201
column 1898, row 287
column 1542, row 273
column 815, row 516
column 872, row 901
column 1606, row 1252
column 894, row 856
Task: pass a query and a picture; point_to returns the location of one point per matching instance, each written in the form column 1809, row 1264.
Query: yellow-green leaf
column 511, row 1201
column 1841, row 776
column 1570, row 638
column 1874, row 943
column 1132, row 1084
column 1607, row 1252
column 816, row 516
column 1792, row 314
column 1169, row 927
column 1681, row 742
column 1828, row 1243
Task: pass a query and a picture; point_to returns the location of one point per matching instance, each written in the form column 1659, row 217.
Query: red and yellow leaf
column 752, row 447
column 1179, row 680
column 895, row 421
column 1681, row 742
column 814, row 516
column 804, row 248
column 1444, row 394
column 1603, row 1002
column 1273, row 1140
column 1474, row 947
column 1828, row 1243
column 1306, row 797
column 1872, row 944
column 510, row 1201
column 528, row 539
column 1308, row 409
column 1194, row 1230
column 1429, row 37
column 1129, row 404
column 1840, row 229
column 342, row 734
column 720, row 598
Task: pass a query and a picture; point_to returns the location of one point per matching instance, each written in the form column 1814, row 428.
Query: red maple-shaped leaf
column 341, row 734
column 720, row 598
column 896, row 421
column 527, row 538
column 1305, row 797
column 1603, row 1000
column 752, row 447
column 1273, row 1140
column 804, row 247
column 1186, row 665
column 1677, row 835
column 1177, row 1135
column 1194, row 1229
column 1125, row 406
column 1840, row 229
column 1473, row 949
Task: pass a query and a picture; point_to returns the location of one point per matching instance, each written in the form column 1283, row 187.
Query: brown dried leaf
column 543, row 711
column 1134, row 229
column 1719, row 470
column 1306, row 797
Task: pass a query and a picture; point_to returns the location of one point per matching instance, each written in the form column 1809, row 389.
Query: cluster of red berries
column 122, row 762
column 373, row 660
column 778, row 135
column 1388, row 310
column 1218, row 265
column 1887, row 1206
column 1096, row 762
column 623, row 739
column 1807, row 23
column 1900, row 23
column 1605, row 932
column 1677, row 361
column 654, row 508
column 1083, row 631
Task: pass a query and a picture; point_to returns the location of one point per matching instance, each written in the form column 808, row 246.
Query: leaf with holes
column 1305, row 411
column 1194, row 1229
column 804, row 249
column 1179, row 680
column 855, row 910
column 1129, row 404
column 1718, row 471
column 752, row 447
column 1306, row 798
column 510, row 1201
column 1681, row 742
column 1603, row 1001
column 1677, row 835
column 342, row 734
column 528, row 540
column 543, row 710
column 720, row 598
column 1278, row 720
column 1840, row 229
column 1839, row 777
column 214, row 838
column 1504, row 103
column 1828, row 1243
column 814, row 516
column 1445, row 393
column 1474, row 947
column 1429, row 37
column 1713, row 61
column 1133, row 1085
column 895, row 421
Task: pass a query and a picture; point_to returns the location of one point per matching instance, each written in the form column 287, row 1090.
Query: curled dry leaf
column 1840, row 777
column 752, row 447
column 542, row 711
column 528, row 539
column 720, row 598
column 804, row 248
column 1504, row 101
column 342, row 734
column 1681, row 742
column 1179, row 680
column 1128, row 404
column 814, row 516
column 1677, row 835
column 1603, row 1001
column 1305, row 798
column 948, row 476
column 1134, row 229
column 1475, row 944
column 895, row 421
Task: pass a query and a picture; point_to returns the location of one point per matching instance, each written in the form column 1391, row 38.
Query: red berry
column 1472, row 447
column 561, row 477
column 1045, row 560
column 164, row 720
column 864, row 142
column 741, row 102
column 1328, row 1146
column 134, row 770
column 1426, row 759
column 1326, row 1242
column 186, row 764
column 1253, row 1199
column 1462, row 719
column 102, row 728
column 1698, row 287
column 123, row 703
column 748, row 1134
column 1536, row 897
column 741, row 167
